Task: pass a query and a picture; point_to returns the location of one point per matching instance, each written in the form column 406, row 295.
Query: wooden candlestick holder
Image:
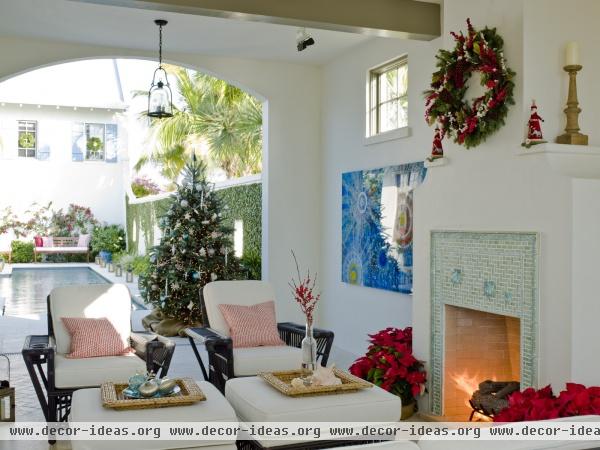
column 572, row 135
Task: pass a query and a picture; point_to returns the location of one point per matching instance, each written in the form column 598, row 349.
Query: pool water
column 26, row 291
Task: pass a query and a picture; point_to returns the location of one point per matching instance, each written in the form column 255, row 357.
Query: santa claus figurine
column 534, row 127
column 437, row 151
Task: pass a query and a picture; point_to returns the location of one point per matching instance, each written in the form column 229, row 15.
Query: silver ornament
column 148, row 388
column 166, row 386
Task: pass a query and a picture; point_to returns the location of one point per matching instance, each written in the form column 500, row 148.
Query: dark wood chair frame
column 39, row 351
column 220, row 349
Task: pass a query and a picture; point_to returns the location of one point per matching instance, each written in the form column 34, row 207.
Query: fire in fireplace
column 480, row 348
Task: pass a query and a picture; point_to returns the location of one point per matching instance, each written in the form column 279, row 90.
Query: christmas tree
column 194, row 250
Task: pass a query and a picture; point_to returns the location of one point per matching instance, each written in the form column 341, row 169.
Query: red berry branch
column 303, row 290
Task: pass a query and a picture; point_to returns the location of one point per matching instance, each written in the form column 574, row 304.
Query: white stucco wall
column 550, row 24
column 291, row 188
column 486, row 188
column 354, row 311
column 23, row 181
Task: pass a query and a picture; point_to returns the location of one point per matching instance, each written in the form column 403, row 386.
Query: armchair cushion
column 253, row 360
column 246, row 293
column 252, row 326
column 94, row 337
column 112, row 301
column 88, row 372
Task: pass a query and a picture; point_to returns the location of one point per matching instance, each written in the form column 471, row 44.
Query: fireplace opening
column 478, row 347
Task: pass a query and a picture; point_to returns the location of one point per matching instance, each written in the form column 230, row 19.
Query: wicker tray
column 281, row 381
column 112, row 396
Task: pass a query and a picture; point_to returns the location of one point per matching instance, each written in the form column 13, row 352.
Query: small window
column 27, row 138
column 95, row 141
column 388, row 97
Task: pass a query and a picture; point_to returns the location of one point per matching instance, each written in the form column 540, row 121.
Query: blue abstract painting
column 377, row 222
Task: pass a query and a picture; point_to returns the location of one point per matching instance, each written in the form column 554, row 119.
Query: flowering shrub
column 303, row 291
column 390, row 364
column 142, row 187
column 532, row 404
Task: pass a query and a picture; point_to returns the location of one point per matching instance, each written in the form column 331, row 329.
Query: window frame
column 374, row 106
column 26, row 130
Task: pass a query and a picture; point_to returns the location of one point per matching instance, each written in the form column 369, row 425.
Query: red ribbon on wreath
column 470, row 122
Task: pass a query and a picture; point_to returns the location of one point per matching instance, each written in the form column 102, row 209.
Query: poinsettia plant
column 391, row 365
column 542, row 404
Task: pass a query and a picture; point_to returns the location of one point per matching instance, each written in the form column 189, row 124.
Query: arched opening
column 44, row 140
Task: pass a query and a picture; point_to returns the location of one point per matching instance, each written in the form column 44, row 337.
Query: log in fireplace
column 492, row 397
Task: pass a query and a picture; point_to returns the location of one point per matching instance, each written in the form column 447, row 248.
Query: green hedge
column 245, row 203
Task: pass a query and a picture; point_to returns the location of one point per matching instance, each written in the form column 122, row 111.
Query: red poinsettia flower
column 390, row 363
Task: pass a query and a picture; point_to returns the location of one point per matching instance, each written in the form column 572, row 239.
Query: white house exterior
column 64, row 145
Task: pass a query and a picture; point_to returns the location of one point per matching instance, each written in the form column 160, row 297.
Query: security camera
column 303, row 39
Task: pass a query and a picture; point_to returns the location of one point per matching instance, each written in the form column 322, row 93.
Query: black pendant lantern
column 160, row 97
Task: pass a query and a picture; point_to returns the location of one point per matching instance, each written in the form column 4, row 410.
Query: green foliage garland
column 470, row 123
column 94, row 144
column 27, row 140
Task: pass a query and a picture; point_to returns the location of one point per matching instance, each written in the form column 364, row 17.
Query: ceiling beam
column 408, row 19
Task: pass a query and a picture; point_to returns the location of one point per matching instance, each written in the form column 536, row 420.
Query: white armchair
column 64, row 375
column 225, row 361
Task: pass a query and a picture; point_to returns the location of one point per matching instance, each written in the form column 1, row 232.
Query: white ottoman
column 86, row 406
column 254, row 400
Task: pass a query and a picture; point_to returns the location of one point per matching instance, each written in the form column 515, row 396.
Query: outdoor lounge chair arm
column 156, row 350
column 293, row 333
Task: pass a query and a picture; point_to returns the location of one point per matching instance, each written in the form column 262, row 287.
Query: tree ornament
column 202, row 252
column 211, row 252
column 470, row 123
column 534, row 128
column 184, row 203
column 214, row 277
column 190, row 305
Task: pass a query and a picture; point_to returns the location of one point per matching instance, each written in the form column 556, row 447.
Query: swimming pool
column 26, row 290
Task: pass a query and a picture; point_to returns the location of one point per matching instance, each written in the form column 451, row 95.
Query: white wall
column 550, row 24
column 353, row 311
column 291, row 165
column 486, row 188
column 23, row 181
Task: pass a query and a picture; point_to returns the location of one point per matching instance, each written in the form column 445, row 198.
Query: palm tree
column 223, row 116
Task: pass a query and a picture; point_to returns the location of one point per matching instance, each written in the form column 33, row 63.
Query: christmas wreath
column 27, row 140
column 95, row 144
column 470, row 123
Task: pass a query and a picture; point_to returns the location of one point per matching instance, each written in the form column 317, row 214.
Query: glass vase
column 309, row 350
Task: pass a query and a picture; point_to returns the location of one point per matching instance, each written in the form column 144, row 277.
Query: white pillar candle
column 572, row 54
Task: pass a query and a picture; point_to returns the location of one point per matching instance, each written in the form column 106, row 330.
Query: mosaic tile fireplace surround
column 484, row 303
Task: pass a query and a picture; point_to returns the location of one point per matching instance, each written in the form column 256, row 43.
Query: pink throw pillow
column 93, row 337
column 84, row 240
column 38, row 241
column 252, row 326
column 47, row 241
